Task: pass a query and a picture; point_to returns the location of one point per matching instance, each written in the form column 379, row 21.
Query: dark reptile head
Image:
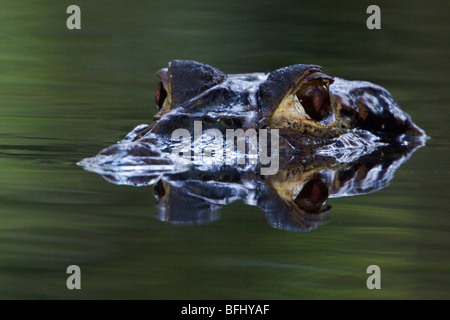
column 300, row 99
column 340, row 138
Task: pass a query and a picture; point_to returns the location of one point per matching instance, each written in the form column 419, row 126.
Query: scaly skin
column 337, row 138
column 299, row 99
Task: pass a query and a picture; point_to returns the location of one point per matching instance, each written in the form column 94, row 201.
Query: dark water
column 67, row 94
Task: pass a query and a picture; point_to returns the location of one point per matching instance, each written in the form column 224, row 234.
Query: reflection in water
column 294, row 199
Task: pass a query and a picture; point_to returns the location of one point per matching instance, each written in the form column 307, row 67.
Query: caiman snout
column 366, row 106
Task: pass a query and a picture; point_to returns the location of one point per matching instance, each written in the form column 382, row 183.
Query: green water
column 66, row 94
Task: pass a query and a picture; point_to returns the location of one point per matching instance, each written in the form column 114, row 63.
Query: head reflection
column 294, row 199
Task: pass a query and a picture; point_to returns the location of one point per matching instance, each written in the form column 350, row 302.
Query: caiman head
column 316, row 116
column 307, row 105
column 340, row 138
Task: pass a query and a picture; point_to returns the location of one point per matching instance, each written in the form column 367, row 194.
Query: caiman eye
column 160, row 94
column 315, row 99
column 313, row 195
column 159, row 189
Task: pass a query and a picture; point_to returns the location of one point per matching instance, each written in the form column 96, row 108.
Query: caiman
column 334, row 137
